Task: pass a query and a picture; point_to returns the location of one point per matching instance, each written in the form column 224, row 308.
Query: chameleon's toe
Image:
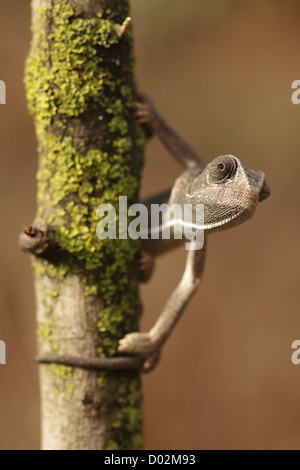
column 145, row 109
column 146, row 266
column 151, row 362
column 143, row 113
column 137, row 343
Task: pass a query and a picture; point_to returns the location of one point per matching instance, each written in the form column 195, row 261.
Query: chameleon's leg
column 154, row 247
column 173, row 142
column 146, row 255
column 149, row 343
column 158, row 246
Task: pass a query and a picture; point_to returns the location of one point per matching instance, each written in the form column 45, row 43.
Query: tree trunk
column 81, row 92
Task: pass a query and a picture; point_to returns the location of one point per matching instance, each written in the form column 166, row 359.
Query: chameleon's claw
column 137, row 343
column 146, row 266
column 143, row 114
column 145, row 109
column 151, row 362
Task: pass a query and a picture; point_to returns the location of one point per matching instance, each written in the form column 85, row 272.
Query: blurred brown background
column 221, row 72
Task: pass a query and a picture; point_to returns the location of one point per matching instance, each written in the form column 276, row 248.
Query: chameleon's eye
column 223, row 168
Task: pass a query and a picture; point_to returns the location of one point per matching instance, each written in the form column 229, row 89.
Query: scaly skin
column 230, row 194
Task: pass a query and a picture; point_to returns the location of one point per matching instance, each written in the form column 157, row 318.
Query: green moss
column 118, row 124
column 129, row 417
column 78, row 81
column 102, row 379
column 67, row 376
column 45, row 268
column 112, row 321
column 48, row 310
column 44, row 332
column 91, row 290
column 54, row 293
column 81, row 92
column 112, row 446
column 76, row 74
column 62, row 372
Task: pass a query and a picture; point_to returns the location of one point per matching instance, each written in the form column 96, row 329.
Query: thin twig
column 121, row 31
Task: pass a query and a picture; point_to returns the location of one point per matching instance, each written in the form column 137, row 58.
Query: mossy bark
column 81, row 91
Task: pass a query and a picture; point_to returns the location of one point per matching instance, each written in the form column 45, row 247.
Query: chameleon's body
column 230, row 194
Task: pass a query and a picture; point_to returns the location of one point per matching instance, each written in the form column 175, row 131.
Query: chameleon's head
column 229, row 192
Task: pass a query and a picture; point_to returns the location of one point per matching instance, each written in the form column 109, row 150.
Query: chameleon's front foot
column 137, row 343
column 146, row 111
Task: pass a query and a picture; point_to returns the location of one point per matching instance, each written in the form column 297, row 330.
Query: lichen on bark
column 81, row 92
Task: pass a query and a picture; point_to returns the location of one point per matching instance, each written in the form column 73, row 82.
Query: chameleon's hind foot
column 137, row 343
column 151, row 362
column 146, row 266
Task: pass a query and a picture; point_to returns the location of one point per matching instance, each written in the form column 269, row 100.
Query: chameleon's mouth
column 264, row 192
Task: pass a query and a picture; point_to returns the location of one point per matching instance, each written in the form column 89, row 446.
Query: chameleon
column 230, row 193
